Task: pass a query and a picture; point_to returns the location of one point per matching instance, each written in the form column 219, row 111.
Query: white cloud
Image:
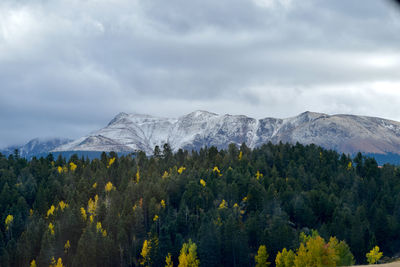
column 68, row 66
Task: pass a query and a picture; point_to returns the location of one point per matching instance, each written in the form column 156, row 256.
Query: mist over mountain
column 344, row 133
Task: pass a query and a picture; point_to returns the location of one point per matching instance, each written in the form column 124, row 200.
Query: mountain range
column 35, row 147
column 132, row 132
column 344, row 133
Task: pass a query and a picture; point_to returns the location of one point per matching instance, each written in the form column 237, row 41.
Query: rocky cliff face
column 344, row 133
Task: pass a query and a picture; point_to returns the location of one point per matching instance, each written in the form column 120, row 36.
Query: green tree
column 345, row 257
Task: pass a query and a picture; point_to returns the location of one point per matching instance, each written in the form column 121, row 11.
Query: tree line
column 232, row 207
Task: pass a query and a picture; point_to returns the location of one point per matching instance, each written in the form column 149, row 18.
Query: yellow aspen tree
column 168, row 261
column 188, row 255
column 83, row 213
column 72, row 166
column 59, row 169
column 165, row 175
column 223, row 204
column 62, row 205
column 137, row 175
column 33, row 263
column 59, row 263
column 217, row 171
column 146, row 249
column 203, row 183
column 314, row 252
column 9, row 220
column 181, row 169
column 240, row 155
column 67, row 246
column 92, row 205
column 98, row 227
column 262, row 257
column 108, row 187
column 374, row 255
column 51, row 211
column 53, row 262
column 349, row 166
column 51, row 228
column 110, row 162
column 94, row 185
column 259, row 175
column 163, row 203
column 285, row 258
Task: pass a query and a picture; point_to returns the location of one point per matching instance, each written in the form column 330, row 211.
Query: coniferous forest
column 275, row 204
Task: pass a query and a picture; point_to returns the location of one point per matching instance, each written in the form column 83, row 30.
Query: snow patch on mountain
column 344, row 133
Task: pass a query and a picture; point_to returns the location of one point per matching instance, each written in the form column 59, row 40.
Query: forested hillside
column 223, row 205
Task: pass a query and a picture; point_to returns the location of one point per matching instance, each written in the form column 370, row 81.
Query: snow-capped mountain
column 344, row 133
column 36, row 146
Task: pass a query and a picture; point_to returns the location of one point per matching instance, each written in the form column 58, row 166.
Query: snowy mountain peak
column 344, row 133
column 200, row 114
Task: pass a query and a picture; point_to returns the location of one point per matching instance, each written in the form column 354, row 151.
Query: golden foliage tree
column 137, row 175
column 9, row 220
column 262, row 257
column 168, row 261
column 51, row 228
column 188, row 255
column 223, row 204
column 51, row 211
column 110, row 162
column 146, row 249
column 83, row 213
column 56, row 264
column 109, row 186
column 314, row 252
column 181, row 169
column 374, row 255
column 285, row 258
column 72, row 166
column 92, row 205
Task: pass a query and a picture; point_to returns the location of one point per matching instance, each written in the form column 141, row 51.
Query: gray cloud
column 67, row 67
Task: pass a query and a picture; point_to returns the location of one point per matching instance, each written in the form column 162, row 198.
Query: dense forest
column 233, row 207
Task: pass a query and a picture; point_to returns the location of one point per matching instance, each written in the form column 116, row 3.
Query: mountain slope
column 344, row 133
column 36, row 146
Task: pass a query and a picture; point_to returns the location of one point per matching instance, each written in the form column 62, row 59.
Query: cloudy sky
column 67, row 67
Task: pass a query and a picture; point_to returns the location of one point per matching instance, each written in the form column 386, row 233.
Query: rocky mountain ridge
column 344, row 133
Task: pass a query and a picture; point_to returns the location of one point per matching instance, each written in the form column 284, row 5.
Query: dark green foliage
column 301, row 188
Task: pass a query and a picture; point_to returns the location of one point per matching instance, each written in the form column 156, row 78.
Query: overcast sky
column 67, row 67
